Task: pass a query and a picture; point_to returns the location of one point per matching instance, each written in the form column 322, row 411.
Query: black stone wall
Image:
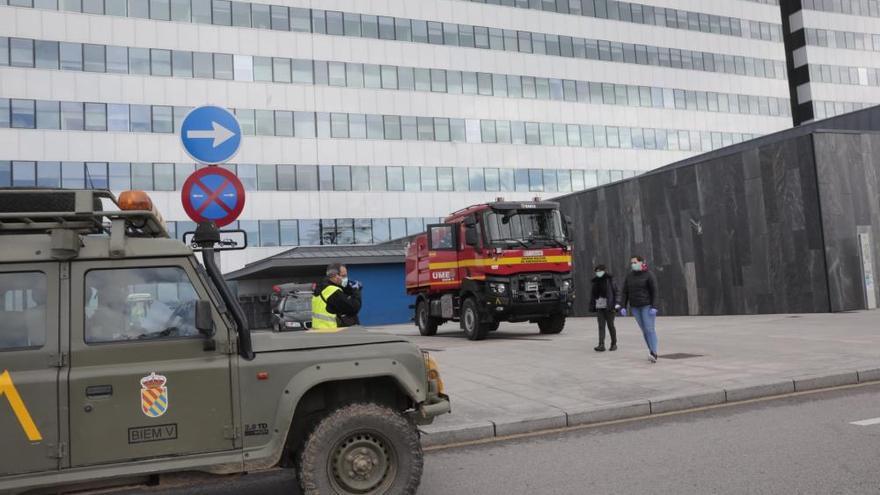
column 848, row 168
column 734, row 234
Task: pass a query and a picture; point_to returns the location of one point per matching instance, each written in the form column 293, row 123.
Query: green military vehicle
column 123, row 358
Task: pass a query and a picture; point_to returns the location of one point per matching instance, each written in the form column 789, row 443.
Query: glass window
column 261, row 16
column 181, row 11
column 95, row 117
column 241, row 14
column 138, row 60
column 160, row 62
column 280, row 18
column 139, row 8
column 46, row 54
column 160, row 10
column 181, row 172
column 286, row 177
column 403, row 29
column 73, row 175
column 71, row 56
column 309, row 232
column 341, row 178
column 389, row 77
column 302, row 71
column 357, row 126
column 398, row 227
column 181, row 64
column 411, row 178
column 222, row 12
column 49, row 174
column 300, row 20
column 265, row 122
column 163, row 120
column 289, row 234
column 117, row 117
column 163, row 176
column 203, row 65
column 48, row 115
column 419, row 31
column 114, row 7
column 23, row 308
column 72, row 118
column 140, row 118
column 461, row 179
column 269, row 235
column 139, row 304
column 223, row 66
column 360, row 178
column 395, row 178
column 306, row 178
column 24, row 174
column 304, row 124
column 378, row 179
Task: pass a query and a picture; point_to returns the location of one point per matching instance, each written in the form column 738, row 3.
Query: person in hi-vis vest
column 335, row 301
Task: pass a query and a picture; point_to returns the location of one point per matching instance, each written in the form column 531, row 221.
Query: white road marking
column 866, row 422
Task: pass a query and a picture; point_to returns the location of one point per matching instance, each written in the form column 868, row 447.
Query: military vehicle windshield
column 527, row 228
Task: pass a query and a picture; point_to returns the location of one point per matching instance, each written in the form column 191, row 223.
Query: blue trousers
column 645, row 320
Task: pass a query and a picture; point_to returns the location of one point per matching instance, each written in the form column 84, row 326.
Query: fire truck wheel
column 470, row 321
column 427, row 324
column 553, row 324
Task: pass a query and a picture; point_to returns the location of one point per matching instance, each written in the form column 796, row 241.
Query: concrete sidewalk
column 520, row 381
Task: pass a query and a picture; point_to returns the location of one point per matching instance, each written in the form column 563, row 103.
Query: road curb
column 452, row 434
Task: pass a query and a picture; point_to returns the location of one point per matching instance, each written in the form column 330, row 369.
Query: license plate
column 531, row 286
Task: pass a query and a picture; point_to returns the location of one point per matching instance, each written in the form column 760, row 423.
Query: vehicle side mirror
column 204, row 318
column 470, row 237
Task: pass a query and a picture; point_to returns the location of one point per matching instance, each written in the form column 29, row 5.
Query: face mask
column 600, row 274
column 636, row 267
column 344, row 281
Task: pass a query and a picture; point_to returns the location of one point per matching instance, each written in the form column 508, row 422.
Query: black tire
column 551, row 325
column 374, row 440
column 470, row 320
column 427, row 324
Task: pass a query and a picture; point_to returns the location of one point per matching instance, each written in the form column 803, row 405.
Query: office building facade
column 364, row 121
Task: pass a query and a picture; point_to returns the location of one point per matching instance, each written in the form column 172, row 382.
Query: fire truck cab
column 493, row 262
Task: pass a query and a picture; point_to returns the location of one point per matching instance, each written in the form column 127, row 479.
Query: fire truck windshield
column 525, row 227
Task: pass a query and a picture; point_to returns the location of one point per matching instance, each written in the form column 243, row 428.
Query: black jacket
column 604, row 287
column 345, row 303
column 639, row 289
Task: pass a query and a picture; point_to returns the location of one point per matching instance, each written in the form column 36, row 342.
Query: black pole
column 206, row 236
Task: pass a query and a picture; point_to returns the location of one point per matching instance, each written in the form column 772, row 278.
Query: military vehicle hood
column 266, row 341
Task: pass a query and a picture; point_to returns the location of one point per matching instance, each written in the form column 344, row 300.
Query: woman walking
column 603, row 298
column 640, row 291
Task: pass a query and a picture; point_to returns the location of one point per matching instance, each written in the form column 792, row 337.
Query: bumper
column 511, row 310
column 431, row 408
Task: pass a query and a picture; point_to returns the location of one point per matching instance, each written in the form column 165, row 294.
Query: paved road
column 800, row 444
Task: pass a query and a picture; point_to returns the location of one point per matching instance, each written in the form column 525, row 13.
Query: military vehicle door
column 29, row 367
column 143, row 381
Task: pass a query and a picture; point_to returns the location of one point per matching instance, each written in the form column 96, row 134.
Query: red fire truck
column 493, row 262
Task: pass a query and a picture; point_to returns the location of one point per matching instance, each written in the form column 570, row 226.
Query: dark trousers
column 606, row 316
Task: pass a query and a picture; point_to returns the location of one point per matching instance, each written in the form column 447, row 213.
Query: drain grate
column 680, row 355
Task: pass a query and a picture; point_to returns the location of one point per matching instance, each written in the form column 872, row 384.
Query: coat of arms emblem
column 154, row 395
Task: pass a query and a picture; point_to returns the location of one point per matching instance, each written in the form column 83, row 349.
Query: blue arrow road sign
column 210, row 134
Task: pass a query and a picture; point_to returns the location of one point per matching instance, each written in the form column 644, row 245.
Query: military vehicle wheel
column 470, row 320
column 551, row 325
column 427, row 324
column 362, row 449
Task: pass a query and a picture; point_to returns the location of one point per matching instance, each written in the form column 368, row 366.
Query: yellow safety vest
column 323, row 320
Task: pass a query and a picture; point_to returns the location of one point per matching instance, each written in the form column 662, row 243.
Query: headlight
column 498, row 287
column 291, row 324
column 433, row 372
column 566, row 285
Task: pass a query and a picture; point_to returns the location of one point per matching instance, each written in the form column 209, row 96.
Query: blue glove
column 354, row 284
column 622, row 311
column 653, row 311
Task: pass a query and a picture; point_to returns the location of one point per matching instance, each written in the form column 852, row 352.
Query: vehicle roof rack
column 41, row 210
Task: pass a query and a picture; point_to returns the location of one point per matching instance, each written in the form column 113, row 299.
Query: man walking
column 603, row 298
column 335, row 301
column 640, row 292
